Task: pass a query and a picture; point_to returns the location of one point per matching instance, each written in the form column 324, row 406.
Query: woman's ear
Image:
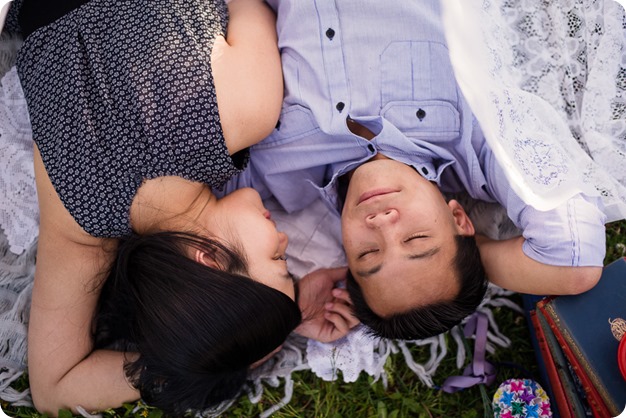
column 207, row 258
column 463, row 223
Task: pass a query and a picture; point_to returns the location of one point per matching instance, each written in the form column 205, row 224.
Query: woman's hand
column 326, row 309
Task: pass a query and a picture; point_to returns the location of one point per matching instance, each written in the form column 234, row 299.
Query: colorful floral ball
column 521, row 398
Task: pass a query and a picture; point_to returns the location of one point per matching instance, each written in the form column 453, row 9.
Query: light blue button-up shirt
column 388, row 69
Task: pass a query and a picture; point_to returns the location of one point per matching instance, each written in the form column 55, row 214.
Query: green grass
column 405, row 395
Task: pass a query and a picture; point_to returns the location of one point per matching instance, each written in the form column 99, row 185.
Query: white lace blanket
column 19, row 213
column 546, row 80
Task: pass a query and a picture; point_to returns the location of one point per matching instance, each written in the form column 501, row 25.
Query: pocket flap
column 435, row 119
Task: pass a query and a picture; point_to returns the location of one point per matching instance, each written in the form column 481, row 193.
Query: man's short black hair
column 426, row 321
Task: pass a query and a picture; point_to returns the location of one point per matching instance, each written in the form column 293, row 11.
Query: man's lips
column 374, row 193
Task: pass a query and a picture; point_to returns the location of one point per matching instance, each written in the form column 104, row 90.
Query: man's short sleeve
column 572, row 234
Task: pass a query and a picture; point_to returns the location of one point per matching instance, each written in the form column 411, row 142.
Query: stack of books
column 578, row 338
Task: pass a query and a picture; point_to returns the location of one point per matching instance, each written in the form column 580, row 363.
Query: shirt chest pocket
column 430, row 120
column 418, row 90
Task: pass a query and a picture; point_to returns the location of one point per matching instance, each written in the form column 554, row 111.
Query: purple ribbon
column 479, row 370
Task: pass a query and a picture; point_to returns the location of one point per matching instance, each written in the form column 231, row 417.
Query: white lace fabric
column 19, row 211
column 546, row 81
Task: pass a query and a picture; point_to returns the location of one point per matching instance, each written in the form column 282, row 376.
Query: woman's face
column 242, row 220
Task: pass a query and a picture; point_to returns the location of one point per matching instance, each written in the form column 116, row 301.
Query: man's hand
column 326, row 310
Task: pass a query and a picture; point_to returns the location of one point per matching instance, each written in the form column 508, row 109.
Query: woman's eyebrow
column 296, row 288
column 367, row 273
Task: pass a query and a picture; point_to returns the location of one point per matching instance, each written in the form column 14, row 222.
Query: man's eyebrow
column 426, row 254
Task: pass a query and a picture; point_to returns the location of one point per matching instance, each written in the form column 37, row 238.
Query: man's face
column 399, row 237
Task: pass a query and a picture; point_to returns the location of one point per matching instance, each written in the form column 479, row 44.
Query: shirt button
column 340, row 106
column 330, row 33
column 425, row 171
column 421, row 114
column 370, row 147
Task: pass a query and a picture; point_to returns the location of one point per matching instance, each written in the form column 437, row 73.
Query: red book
column 558, row 392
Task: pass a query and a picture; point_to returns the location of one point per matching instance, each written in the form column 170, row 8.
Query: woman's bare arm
column 247, row 72
column 507, row 266
column 64, row 372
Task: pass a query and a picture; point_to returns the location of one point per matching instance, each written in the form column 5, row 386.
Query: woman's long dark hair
column 197, row 329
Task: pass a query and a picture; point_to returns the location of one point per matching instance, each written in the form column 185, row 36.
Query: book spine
column 584, row 365
column 576, row 396
column 560, row 399
column 599, row 408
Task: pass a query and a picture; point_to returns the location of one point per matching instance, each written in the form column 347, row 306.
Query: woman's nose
column 283, row 240
column 384, row 217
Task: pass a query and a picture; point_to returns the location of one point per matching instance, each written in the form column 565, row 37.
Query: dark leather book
column 589, row 327
column 556, row 389
column 573, row 390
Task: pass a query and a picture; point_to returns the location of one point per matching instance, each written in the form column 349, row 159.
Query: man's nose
column 381, row 218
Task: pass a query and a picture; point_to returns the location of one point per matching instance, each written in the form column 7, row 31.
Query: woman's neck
column 170, row 203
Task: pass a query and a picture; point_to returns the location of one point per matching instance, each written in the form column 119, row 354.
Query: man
column 373, row 122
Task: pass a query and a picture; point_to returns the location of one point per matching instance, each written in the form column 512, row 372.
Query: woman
column 138, row 109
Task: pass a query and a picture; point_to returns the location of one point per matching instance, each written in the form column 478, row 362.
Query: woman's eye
column 280, row 257
column 364, row 253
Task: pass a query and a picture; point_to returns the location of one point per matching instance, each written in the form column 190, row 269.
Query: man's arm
column 64, row 372
column 507, row 266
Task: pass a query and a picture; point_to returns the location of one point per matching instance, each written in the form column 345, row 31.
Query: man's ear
column 207, row 258
column 462, row 222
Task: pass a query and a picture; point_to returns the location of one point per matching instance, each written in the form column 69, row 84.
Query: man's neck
column 360, row 130
column 344, row 181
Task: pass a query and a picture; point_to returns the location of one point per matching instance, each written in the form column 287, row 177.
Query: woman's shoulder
column 247, row 73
